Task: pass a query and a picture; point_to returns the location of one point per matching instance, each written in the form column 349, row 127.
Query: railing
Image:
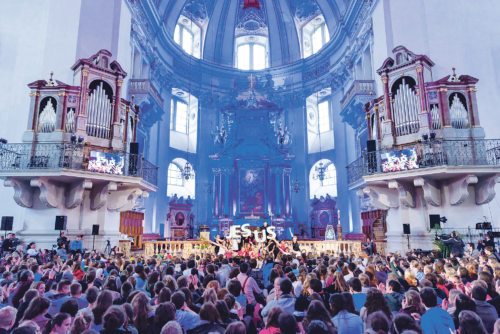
column 434, row 153
column 22, row 157
column 186, row 248
column 358, row 87
column 144, row 86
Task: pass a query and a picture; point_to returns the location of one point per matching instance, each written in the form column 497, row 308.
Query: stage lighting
column 73, row 138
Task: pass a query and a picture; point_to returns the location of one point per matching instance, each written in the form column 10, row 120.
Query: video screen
column 107, row 163
column 397, row 161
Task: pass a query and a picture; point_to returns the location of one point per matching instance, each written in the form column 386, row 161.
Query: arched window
column 188, row 35
column 179, row 116
column 314, row 35
column 183, row 121
column 319, row 121
column 325, row 184
column 251, row 53
column 176, row 183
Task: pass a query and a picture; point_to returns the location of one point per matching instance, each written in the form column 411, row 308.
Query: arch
column 176, row 183
column 328, row 186
column 407, row 79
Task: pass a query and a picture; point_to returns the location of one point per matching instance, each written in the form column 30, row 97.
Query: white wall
column 453, row 33
column 37, row 37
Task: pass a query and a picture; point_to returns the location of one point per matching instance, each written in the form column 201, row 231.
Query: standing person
column 344, row 316
column 7, row 319
column 368, row 246
column 248, row 284
column 76, row 246
column 484, row 310
column 62, row 241
column 456, row 245
column 435, row 319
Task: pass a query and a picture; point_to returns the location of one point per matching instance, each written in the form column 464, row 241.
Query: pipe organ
column 100, row 112
column 92, row 109
column 413, row 108
column 405, row 110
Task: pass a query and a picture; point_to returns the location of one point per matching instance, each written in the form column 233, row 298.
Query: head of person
column 479, row 293
column 113, row 319
column 60, row 324
column 403, row 322
column 208, row 312
column 178, row 299
column 470, row 323
column 287, row 323
column 164, row 313
column 37, row 306
column 70, row 307
column 236, row 327
column 464, row 303
column 273, row 317
column 172, row 327
column 378, row 322
column 286, row 286
column 7, row 317
column 429, row 297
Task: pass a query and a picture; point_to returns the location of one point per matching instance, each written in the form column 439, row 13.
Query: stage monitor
column 107, row 163
column 399, row 160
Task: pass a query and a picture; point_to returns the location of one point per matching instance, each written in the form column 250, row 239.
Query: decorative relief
column 432, row 193
column 48, row 192
column 99, row 194
column 75, row 193
column 459, row 189
column 405, row 193
column 23, row 193
column 485, row 189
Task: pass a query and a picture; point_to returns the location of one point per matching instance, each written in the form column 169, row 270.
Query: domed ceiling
column 281, row 21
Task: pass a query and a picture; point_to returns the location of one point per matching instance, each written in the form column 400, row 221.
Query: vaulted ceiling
column 223, row 20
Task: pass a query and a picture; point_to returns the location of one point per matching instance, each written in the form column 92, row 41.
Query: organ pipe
column 405, row 110
column 99, row 113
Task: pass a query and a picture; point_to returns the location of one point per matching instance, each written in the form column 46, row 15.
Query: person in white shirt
column 31, row 251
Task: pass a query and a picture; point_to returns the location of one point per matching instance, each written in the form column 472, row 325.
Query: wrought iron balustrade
column 26, row 157
column 433, row 153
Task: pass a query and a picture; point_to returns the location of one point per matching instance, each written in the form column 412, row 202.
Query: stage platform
column 186, row 248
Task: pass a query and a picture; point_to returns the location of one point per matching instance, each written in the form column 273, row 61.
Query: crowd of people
column 88, row 292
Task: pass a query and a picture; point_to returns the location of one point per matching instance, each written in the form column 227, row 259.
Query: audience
column 301, row 293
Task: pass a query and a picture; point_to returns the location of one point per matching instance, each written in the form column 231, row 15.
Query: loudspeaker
column 406, row 228
column 134, row 156
column 435, row 221
column 7, row 222
column 134, row 148
column 60, row 223
column 371, row 145
column 95, row 229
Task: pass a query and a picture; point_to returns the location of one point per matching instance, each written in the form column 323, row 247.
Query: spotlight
column 425, row 137
column 80, row 139
column 443, row 220
column 73, row 138
column 433, row 135
column 3, row 141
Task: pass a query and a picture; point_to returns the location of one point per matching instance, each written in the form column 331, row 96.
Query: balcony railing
column 144, row 86
column 25, row 157
column 472, row 152
column 358, row 87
